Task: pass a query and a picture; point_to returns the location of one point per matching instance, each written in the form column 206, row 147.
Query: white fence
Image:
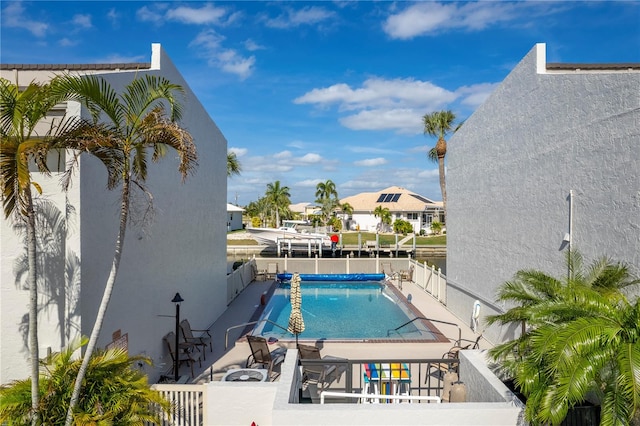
column 188, row 404
column 428, row 278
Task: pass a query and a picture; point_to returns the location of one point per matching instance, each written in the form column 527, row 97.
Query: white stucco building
column 402, row 204
column 552, row 155
column 234, row 217
column 182, row 251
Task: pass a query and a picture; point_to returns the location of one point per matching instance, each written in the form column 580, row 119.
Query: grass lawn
column 351, row 239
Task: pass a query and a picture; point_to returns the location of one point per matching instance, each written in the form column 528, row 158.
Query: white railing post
column 316, row 264
column 348, row 263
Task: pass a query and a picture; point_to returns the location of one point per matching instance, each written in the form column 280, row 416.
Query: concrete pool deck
column 244, row 307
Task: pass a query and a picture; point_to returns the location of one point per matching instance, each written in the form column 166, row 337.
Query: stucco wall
column 513, row 163
column 183, row 249
column 275, row 404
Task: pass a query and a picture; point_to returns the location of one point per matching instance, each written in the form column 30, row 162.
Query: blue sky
column 305, row 92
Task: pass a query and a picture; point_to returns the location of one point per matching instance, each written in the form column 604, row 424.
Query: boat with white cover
column 298, row 231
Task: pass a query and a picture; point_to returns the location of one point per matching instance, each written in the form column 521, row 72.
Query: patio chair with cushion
column 185, row 352
column 199, row 341
column 261, row 355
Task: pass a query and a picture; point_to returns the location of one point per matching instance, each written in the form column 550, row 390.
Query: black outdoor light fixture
column 176, row 359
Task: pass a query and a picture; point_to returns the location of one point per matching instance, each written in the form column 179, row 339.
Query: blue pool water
column 342, row 310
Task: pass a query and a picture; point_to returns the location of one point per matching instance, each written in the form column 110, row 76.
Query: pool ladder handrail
column 426, row 319
column 226, row 334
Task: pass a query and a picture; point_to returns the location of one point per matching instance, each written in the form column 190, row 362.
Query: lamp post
column 176, row 360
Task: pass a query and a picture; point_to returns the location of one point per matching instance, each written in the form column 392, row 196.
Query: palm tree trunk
column 34, row 350
column 443, row 187
column 106, row 297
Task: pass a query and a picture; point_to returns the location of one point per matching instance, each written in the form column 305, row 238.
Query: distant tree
column 436, row 227
column 278, row 198
column 116, row 392
column 233, row 165
column 580, row 341
column 385, row 217
column 401, row 226
column 347, row 211
column 327, row 197
column 440, row 124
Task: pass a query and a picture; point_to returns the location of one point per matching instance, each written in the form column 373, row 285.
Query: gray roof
column 75, row 67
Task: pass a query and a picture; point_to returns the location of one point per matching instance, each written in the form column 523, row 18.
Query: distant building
column 183, row 251
column 551, row 158
column 402, row 204
column 234, row 217
column 305, row 210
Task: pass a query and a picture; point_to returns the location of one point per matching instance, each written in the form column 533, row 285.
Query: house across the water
column 402, row 203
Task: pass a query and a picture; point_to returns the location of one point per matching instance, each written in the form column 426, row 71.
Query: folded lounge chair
column 260, row 354
column 185, row 352
column 317, row 373
column 201, row 341
column 272, row 271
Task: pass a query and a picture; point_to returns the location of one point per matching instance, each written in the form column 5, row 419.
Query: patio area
column 287, row 399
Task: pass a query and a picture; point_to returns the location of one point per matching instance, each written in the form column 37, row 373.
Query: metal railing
column 423, row 377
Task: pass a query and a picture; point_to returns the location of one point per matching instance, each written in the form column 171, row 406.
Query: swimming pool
column 343, row 310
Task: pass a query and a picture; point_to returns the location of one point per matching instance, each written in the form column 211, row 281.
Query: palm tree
column 278, row 198
column 233, row 165
column 117, row 392
column 21, row 112
column 385, row 216
column 439, row 124
column 134, row 123
column 326, row 190
column 580, row 341
column 327, row 197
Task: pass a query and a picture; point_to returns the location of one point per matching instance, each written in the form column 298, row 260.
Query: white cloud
column 476, row 94
column 309, row 15
column 308, row 183
column 65, row 42
column 371, row 162
column 151, row 14
column 379, row 92
column 238, row 151
column 14, row 17
column 82, row 21
column 431, row 17
column 310, row 158
column 400, row 120
column 283, row 154
column 210, row 47
column 251, row 45
column 207, row 14
column 114, row 17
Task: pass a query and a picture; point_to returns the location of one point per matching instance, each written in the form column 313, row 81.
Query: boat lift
column 289, row 245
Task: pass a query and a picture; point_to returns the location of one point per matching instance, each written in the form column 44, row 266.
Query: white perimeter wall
column 183, row 251
column 511, row 167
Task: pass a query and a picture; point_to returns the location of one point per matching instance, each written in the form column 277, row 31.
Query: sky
column 306, row 92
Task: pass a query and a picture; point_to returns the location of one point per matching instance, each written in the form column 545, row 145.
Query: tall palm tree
column 132, row 124
column 440, row 124
column 580, row 341
column 22, row 114
column 385, row 216
column 278, row 198
column 117, row 392
column 233, row 165
column 326, row 190
column 327, row 197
